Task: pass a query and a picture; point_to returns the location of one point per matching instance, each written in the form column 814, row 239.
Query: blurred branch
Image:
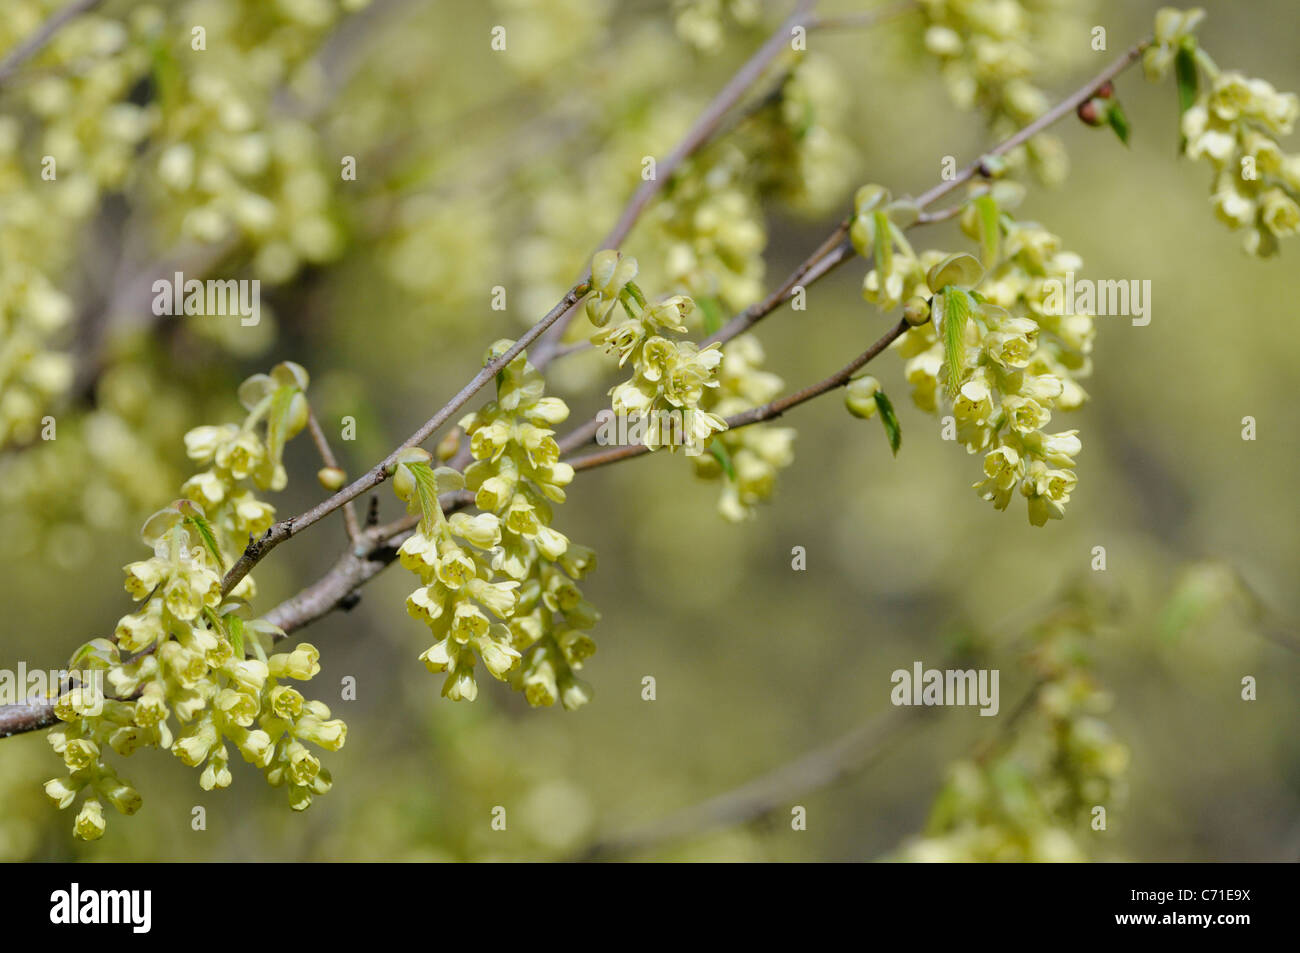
column 820, row 768
column 327, row 456
column 699, row 133
column 37, row 41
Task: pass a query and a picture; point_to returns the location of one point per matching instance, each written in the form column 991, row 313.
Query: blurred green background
column 756, row 663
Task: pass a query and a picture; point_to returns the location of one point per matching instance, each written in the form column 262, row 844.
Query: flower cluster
column 747, row 460
column 228, row 163
column 710, row 229
column 499, row 586
column 241, row 460
column 669, row 377
column 1234, row 124
column 991, row 50
column 67, row 135
column 1032, row 797
column 993, row 345
column 203, row 148
column 184, row 653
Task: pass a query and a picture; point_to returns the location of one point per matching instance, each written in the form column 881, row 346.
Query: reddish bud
column 1093, row 112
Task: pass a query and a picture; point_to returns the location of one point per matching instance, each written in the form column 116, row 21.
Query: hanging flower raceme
column 990, row 345
column 669, row 376
column 990, row 51
column 186, row 671
column 1233, row 122
column 499, row 586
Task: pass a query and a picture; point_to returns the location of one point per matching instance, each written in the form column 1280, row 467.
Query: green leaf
column 235, row 632
column 277, row 423
column 883, row 247
column 1117, row 121
column 889, row 421
column 204, row 529
column 1188, row 81
column 712, row 312
column 95, row 654
column 961, row 270
column 426, row 496
column 636, row 293
column 724, row 459
column 957, row 308
column 986, row 207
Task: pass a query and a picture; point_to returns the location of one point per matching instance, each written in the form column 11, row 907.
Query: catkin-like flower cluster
column 990, row 51
column 499, row 586
column 1011, row 359
column 1031, row 797
column 669, row 376
column 183, row 655
column 1233, row 124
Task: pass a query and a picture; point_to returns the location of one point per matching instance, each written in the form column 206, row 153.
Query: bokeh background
column 478, row 169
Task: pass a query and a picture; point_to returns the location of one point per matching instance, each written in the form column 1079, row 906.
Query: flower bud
column 860, row 398
column 1093, row 112
column 917, row 311
column 331, row 478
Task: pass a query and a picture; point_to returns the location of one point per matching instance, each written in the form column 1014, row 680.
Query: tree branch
column 699, row 133
column 279, row 532
column 820, row 768
column 37, row 41
column 835, row 250
column 353, row 571
column 768, row 411
column 327, row 457
column 26, row 716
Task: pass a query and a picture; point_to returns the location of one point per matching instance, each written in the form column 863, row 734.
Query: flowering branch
column 768, row 411
column 377, row 545
column 278, row 533
column 836, row 248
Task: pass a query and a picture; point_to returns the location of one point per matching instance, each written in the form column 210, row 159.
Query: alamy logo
column 214, row 297
column 20, row 686
column 932, row 686
column 77, row 906
column 1131, row 298
column 688, row 428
